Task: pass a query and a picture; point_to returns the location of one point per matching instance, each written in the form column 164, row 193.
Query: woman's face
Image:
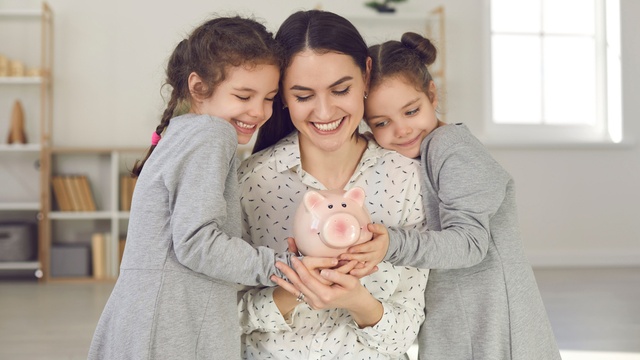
column 325, row 96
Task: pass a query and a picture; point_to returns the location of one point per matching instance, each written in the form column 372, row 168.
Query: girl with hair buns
column 176, row 296
column 482, row 300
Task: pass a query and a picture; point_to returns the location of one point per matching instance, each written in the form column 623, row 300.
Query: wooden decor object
column 4, row 66
column 16, row 68
column 16, row 131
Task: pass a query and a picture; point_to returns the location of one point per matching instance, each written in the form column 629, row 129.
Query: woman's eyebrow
column 338, row 82
column 341, row 80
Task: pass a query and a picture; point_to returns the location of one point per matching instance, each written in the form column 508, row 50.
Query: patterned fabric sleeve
column 258, row 312
column 403, row 315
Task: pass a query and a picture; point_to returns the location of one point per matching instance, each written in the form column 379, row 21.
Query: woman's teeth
column 244, row 126
column 328, row 126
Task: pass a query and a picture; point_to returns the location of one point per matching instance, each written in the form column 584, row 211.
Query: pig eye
column 344, row 205
column 330, row 206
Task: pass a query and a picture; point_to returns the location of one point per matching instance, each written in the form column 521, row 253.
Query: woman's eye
column 269, row 99
column 342, row 92
column 242, row 98
column 412, row 112
column 303, row 98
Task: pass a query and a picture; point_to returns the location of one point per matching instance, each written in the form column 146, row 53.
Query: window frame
column 608, row 130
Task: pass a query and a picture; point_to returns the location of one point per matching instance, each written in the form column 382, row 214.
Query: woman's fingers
column 315, row 264
column 285, row 285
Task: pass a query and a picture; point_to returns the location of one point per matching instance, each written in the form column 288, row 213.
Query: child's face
column 400, row 116
column 244, row 98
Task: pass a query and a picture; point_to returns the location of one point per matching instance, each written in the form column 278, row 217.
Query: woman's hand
column 287, row 301
column 345, row 291
column 370, row 253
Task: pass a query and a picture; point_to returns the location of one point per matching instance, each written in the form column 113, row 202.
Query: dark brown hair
column 210, row 50
column 407, row 58
column 322, row 32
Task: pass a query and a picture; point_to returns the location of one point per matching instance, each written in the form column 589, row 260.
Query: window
column 555, row 71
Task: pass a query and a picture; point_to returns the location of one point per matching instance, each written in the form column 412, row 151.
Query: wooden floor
column 595, row 314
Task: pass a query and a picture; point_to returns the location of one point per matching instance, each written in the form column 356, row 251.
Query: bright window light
column 555, row 69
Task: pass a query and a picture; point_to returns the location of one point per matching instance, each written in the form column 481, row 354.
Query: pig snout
column 340, row 230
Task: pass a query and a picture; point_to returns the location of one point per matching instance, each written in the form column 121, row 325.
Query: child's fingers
column 360, row 257
column 347, row 267
column 365, row 247
column 366, row 270
column 313, row 263
column 291, row 242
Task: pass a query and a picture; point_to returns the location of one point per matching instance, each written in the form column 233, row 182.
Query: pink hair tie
column 155, row 138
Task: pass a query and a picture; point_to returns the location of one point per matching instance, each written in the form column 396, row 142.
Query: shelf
column 80, row 215
column 90, row 150
column 20, row 148
column 27, row 35
column 19, row 265
column 21, row 80
column 123, row 215
column 36, row 14
column 20, row 206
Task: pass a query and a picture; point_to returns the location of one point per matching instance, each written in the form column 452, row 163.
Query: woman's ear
column 367, row 74
column 433, row 94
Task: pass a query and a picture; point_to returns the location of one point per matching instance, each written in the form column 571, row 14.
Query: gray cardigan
column 482, row 300
column 176, row 296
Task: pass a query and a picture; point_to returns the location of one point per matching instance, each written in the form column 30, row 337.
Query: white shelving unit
column 103, row 168
column 25, row 35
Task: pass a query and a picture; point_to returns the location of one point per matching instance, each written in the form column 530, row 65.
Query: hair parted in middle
column 319, row 31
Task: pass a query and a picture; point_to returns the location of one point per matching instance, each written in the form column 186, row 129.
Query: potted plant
column 383, row 6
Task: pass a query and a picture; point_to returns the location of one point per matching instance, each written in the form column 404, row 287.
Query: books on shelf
column 104, row 264
column 98, row 256
column 73, row 193
column 127, row 184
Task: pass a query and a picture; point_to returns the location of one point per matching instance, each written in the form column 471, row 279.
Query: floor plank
column 595, row 314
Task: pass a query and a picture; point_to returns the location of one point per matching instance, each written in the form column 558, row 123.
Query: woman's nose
column 324, row 108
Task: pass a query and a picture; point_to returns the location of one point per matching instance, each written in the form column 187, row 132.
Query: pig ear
column 311, row 199
column 356, row 194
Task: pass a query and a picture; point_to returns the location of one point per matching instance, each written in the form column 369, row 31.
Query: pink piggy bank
column 328, row 222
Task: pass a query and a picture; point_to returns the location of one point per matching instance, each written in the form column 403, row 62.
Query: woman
column 312, row 142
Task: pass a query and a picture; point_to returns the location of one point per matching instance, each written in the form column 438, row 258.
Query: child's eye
column 381, row 124
column 243, row 98
column 269, row 99
column 342, row 92
column 412, row 112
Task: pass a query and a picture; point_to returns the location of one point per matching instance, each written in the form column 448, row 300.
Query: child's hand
column 369, row 254
column 292, row 247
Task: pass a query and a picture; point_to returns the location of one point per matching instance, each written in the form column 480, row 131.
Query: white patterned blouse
column 272, row 184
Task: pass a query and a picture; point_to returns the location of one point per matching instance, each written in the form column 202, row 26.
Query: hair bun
column 421, row 46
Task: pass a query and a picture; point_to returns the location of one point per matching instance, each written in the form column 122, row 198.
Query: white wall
column 578, row 206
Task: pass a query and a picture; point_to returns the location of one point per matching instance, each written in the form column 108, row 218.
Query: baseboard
column 577, row 259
